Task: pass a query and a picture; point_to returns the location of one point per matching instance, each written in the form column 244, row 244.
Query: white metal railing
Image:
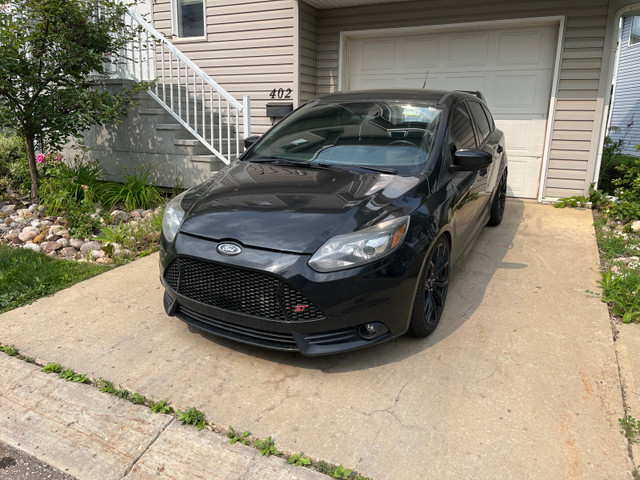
column 187, row 93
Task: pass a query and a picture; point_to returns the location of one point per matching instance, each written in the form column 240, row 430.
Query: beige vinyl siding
column 576, row 122
column 308, row 53
column 249, row 48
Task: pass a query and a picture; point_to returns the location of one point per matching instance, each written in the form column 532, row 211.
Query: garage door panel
column 468, row 50
column 522, row 48
column 513, row 67
column 420, row 54
column 374, row 55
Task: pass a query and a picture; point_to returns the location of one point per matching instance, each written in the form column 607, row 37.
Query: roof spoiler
column 476, row 93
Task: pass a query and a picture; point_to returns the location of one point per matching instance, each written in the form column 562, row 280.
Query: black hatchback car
column 339, row 227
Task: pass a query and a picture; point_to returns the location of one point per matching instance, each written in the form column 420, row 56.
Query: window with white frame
column 189, row 18
column 635, row 31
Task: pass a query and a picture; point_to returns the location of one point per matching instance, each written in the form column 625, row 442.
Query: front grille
column 239, row 290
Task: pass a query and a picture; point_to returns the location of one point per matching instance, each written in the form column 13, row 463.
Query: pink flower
column 58, row 157
column 40, row 158
column 630, row 124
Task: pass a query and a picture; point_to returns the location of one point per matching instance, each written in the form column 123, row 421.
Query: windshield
column 384, row 135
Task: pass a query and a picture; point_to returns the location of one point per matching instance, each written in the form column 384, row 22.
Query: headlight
column 173, row 214
column 353, row 249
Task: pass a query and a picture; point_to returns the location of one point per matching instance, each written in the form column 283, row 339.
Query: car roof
column 438, row 97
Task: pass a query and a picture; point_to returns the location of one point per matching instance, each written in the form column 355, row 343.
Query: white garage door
column 511, row 66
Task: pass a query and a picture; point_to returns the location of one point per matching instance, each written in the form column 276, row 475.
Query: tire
column 499, row 202
column 432, row 291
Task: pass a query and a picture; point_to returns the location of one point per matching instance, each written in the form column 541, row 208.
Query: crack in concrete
column 395, row 402
column 153, row 440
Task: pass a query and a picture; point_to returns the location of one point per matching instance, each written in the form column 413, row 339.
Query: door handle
column 500, row 149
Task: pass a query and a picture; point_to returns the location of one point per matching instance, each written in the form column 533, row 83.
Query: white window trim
column 634, row 19
column 175, row 29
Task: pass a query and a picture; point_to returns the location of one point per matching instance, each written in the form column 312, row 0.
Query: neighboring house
column 545, row 68
column 625, row 112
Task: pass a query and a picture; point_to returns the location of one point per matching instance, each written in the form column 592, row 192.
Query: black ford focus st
column 338, row 228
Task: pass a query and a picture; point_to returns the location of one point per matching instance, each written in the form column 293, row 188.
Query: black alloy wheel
column 432, row 291
column 499, row 202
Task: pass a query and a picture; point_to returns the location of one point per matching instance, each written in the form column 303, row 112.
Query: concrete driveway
column 520, row 379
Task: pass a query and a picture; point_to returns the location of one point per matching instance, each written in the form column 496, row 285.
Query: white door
column 511, row 66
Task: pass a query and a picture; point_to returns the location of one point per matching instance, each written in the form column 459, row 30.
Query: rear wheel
column 499, row 202
column 432, row 291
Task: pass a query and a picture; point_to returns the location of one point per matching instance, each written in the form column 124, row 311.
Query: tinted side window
column 462, row 129
column 480, row 119
column 492, row 124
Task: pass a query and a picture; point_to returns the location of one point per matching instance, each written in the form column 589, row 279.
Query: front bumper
column 275, row 300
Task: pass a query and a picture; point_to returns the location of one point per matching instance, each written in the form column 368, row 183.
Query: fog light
column 372, row 330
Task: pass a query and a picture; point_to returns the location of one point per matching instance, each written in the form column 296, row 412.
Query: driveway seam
column 153, row 440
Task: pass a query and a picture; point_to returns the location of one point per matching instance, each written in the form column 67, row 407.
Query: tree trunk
column 31, row 157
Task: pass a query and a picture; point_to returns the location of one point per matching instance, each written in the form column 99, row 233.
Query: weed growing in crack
column 630, row 428
column 299, row 460
column 71, row 376
column 10, row 350
column 161, row 407
column 138, row 399
column 106, row 386
column 235, row 436
column 192, row 416
column 267, row 447
column 52, row 367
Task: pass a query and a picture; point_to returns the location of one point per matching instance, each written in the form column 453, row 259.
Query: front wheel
column 432, row 291
column 499, row 202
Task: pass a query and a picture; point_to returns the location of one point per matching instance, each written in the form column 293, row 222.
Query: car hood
column 290, row 208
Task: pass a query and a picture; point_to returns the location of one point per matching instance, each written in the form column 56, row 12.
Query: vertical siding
column 626, row 104
column 308, row 35
column 576, row 118
column 249, row 48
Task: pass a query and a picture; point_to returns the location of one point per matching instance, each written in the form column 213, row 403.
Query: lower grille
column 239, row 290
column 282, row 341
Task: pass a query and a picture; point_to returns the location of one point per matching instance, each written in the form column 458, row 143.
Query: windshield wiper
column 389, row 170
column 293, row 163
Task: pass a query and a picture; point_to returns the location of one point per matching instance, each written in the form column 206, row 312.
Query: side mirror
column 251, row 140
column 471, row 160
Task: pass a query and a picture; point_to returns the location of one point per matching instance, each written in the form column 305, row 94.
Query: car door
column 465, row 187
column 488, row 141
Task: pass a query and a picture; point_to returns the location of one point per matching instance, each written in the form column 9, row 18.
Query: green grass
column 26, row 276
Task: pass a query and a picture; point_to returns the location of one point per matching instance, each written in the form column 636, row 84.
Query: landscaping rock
column 9, row 209
column 68, row 252
column 635, row 226
column 29, row 233
column 90, row 246
column 9, row 221
column 104, row 260
column 16, row 241
column 76, row 243
column 39, row 238
column 52, row 237
column 31, row 246
column 96, row 254
column 119, row 216
column 55, row 228
column 136, row 213
column 48, row 247
column 25, row 213
column 63, row 241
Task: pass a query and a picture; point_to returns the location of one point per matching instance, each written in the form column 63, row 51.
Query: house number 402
column 281, row 93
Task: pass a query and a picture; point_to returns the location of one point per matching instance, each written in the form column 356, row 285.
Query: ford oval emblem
column 229, row 249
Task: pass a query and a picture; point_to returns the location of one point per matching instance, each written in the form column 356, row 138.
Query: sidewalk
column 520, row 380
column 90, row 435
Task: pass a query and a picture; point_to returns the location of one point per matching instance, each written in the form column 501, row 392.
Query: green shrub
column 628, row 192
column 14, row 170
column 137, row 191
column 622, row 291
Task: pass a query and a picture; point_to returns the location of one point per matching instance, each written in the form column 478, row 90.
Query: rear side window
column 462, row 129
column 492, row 124
column 479, row 117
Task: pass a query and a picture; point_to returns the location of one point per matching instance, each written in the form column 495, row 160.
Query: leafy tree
column 51, row 54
